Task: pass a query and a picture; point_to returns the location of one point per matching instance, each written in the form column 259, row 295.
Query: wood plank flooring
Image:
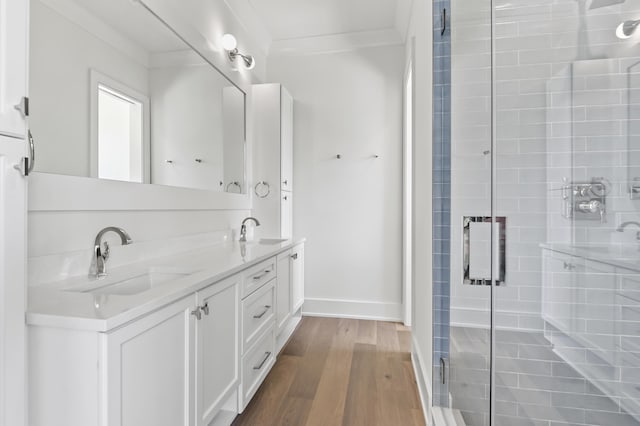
column 340, row 372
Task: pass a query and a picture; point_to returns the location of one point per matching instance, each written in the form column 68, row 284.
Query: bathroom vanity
column 185, row 339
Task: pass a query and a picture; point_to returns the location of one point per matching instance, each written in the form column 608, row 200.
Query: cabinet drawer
column 258, row 275
column 256, row 364
column 257, row 314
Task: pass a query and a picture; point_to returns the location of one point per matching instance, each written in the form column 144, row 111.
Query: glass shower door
column 463, row 212
column 566, row 111
column 537, row 158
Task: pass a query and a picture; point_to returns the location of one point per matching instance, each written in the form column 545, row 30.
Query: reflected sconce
column 230, row 44
column 626, row 29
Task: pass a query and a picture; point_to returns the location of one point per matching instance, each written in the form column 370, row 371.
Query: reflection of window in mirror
column 119, row 131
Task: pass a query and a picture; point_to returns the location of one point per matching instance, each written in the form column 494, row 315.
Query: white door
column 218, row 357
column 149, row 369
column 13, row 208
column 286, row 215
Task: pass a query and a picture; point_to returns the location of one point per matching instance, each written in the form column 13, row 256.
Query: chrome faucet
column 100, row 255
column 625, row 224
column 243, row 228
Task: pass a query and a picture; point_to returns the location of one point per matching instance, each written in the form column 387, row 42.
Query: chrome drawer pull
column 205, row 308
column 266, row 357
column 266, row 309
column 257, row 277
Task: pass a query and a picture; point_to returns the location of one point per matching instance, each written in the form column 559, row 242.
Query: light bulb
column 229, row 42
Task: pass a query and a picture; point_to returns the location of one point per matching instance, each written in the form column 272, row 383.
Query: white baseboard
column 352, row 309
column 422, row 379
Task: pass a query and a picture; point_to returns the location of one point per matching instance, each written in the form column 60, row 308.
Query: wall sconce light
column 230, row 44
column 626, row 29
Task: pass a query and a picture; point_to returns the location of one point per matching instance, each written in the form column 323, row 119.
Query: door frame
column 408, row 132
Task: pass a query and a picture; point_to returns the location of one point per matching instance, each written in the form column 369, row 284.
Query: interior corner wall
column 420, row 37
column 349, row 209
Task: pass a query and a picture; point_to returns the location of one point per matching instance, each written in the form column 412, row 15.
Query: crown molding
column 335, row 42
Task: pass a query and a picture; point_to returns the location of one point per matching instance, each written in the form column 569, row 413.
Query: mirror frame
column 53, row 192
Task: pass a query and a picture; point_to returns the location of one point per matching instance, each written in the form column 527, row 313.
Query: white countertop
column 52, row 306
column 623, row 256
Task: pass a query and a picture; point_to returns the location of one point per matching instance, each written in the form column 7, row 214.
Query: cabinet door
column 13, row 298
column 13, row 66
column 297, row 277
column 286, row 215
column 283, row 291
column 218, row 356
column 286, row 134
column 148, row 369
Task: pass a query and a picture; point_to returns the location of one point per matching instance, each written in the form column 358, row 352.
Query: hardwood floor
column 340, row 372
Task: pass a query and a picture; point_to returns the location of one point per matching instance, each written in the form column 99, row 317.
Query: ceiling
column 134, row 22
column 295, row 26
column 291, row 19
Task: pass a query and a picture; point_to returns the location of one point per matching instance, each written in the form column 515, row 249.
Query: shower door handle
column 497, row 269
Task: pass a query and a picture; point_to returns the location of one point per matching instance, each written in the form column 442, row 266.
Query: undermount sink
column 136, row 284
column 271, row 241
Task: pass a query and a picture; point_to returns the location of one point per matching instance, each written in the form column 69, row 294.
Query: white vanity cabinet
column 289, row 293
column 176, row 366
column 297, row 277
column 273, row 159
column 147, row 370
column 283, row 291
column 218, row 347
column 258, row 309
column 194, row 356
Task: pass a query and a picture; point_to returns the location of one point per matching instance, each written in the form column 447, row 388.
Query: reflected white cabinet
column 273, row 159
column 13, row 67
column 148, row 369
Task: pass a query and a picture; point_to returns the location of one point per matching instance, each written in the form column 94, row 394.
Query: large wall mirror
column 116, row 94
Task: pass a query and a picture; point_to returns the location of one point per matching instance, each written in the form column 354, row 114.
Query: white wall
column 348, row 103
column 420, row 36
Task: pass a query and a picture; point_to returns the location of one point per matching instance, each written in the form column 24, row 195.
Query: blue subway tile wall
column 441, row 197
